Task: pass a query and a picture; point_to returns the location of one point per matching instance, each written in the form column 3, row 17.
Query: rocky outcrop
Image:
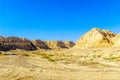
column 55, row 44
column 40, row 44
column 12, row 43
column 96, row 38
column 69, row 44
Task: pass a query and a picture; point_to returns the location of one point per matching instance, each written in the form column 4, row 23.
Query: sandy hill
column 96, row 38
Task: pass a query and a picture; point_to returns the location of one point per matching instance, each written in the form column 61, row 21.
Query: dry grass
column 86, row 57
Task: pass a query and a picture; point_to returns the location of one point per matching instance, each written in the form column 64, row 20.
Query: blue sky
column 57, row 19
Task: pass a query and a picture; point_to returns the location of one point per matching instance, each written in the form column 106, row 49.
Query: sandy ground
column 21, row 67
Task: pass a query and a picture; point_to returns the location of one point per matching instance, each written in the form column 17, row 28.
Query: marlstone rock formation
column 69, row 44
column 55, row 44
column 96, row 38
column 40, row 44
column 12, row 43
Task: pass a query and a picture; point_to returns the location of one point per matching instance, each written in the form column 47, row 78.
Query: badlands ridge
column 95, row 38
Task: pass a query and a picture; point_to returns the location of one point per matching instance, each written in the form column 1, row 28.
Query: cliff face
column 96, row 38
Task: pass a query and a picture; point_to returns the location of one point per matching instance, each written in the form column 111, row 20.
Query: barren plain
column 62, row 64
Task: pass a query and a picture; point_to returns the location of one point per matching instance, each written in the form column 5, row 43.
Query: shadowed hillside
column 12, row 43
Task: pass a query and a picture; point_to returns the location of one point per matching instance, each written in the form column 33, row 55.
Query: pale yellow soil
column 72, row 64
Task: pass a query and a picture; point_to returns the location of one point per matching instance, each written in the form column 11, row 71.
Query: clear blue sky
column 57, row 19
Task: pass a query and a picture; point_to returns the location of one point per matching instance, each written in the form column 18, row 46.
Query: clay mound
column 55, row 44
column 40, row 44
column 69, row 44
column 96, row 38
column 12, row 43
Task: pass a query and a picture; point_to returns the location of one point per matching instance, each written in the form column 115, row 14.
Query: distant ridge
column 12, row 43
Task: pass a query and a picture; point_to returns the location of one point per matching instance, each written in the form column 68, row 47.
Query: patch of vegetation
column 23, row 53
column 53, row 57
column 111, row 58
column 88, row 63
column 48, row 56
